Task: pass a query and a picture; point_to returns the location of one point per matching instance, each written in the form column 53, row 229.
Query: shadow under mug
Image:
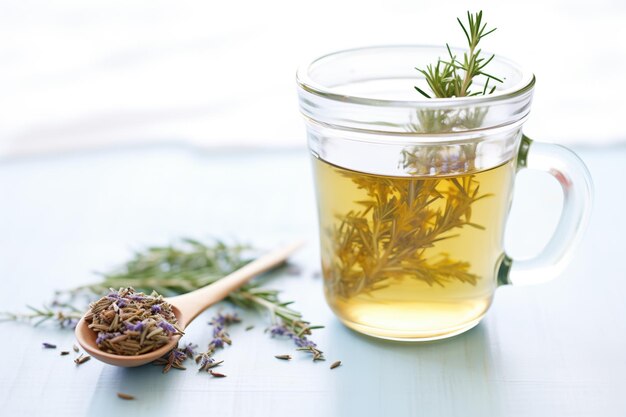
column 413, row 193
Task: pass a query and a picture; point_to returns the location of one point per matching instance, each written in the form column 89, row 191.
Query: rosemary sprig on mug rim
column 452, row 77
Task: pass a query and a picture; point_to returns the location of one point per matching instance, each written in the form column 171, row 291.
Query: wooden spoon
column 187, row 307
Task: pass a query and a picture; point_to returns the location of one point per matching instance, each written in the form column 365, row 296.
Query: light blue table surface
column 557, row 349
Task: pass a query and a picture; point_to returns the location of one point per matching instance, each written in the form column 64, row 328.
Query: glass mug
column 413, row 193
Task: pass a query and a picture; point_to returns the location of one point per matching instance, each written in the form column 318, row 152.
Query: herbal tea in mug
column 413, row 192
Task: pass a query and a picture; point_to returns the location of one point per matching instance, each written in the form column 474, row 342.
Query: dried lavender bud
column 175, row 358
column 283, row 357
column 220, row 338
column 206, row 363
column 131, row 323
column 65, row 352
column 81, row 359
column 216, row 374
column 75, row 348
column 47, row 345
column 249, row 328
column 335, row 364
column 288, row 329
column 125, row 396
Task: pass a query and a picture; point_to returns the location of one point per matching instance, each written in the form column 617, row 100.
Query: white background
column 101, row 73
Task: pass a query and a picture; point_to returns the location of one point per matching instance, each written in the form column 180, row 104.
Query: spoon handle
column 193, row 303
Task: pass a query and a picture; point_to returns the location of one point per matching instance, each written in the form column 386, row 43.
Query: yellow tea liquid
column 411, row 258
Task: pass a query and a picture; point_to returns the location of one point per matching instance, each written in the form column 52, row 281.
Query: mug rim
column 308, row 84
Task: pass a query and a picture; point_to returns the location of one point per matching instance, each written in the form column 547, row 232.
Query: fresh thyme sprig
column 453, row 77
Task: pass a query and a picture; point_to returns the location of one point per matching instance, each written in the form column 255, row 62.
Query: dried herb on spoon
column 132, row 323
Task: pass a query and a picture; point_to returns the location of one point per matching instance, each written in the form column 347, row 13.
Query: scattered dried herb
column 65, row 352
column 205, row 365
column 335, row 364
column 82, row 358
column 285, row 321
column 283, row 357
column 249, row 328
column 172, row 270
column 47, row 345
column 176, row 358
column 220, row 338
column 216, row 374
column 75, row 348
column 316, row 354
column 125, row 396
column 132, row 323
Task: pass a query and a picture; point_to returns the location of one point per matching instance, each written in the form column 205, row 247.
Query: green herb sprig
column 387, row 240
column 452, row 77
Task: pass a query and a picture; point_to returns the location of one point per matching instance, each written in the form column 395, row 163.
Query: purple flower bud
column 218, row 320
column 155, row 308
column 102, row 336
column 137, row 327
column 303, row 342
column 206, row 360
column 167, row 327
column 222, row 320
column 137, row 297
column 277, row 330
column 217, row 331
column 179, row 355
column 218, row 343
column 189, row 349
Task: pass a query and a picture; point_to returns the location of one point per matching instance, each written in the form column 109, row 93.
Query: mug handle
column 573, row 176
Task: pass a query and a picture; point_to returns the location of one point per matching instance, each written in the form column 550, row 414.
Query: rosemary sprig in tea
column 400, row 220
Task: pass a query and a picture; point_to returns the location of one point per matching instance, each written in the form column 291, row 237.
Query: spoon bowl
column 87, row 340
column 186, row 307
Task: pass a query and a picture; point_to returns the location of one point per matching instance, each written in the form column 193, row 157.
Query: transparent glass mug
column 413, row 193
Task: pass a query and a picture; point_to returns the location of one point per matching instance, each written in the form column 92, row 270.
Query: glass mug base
column 411, row 321
column 412, row 336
